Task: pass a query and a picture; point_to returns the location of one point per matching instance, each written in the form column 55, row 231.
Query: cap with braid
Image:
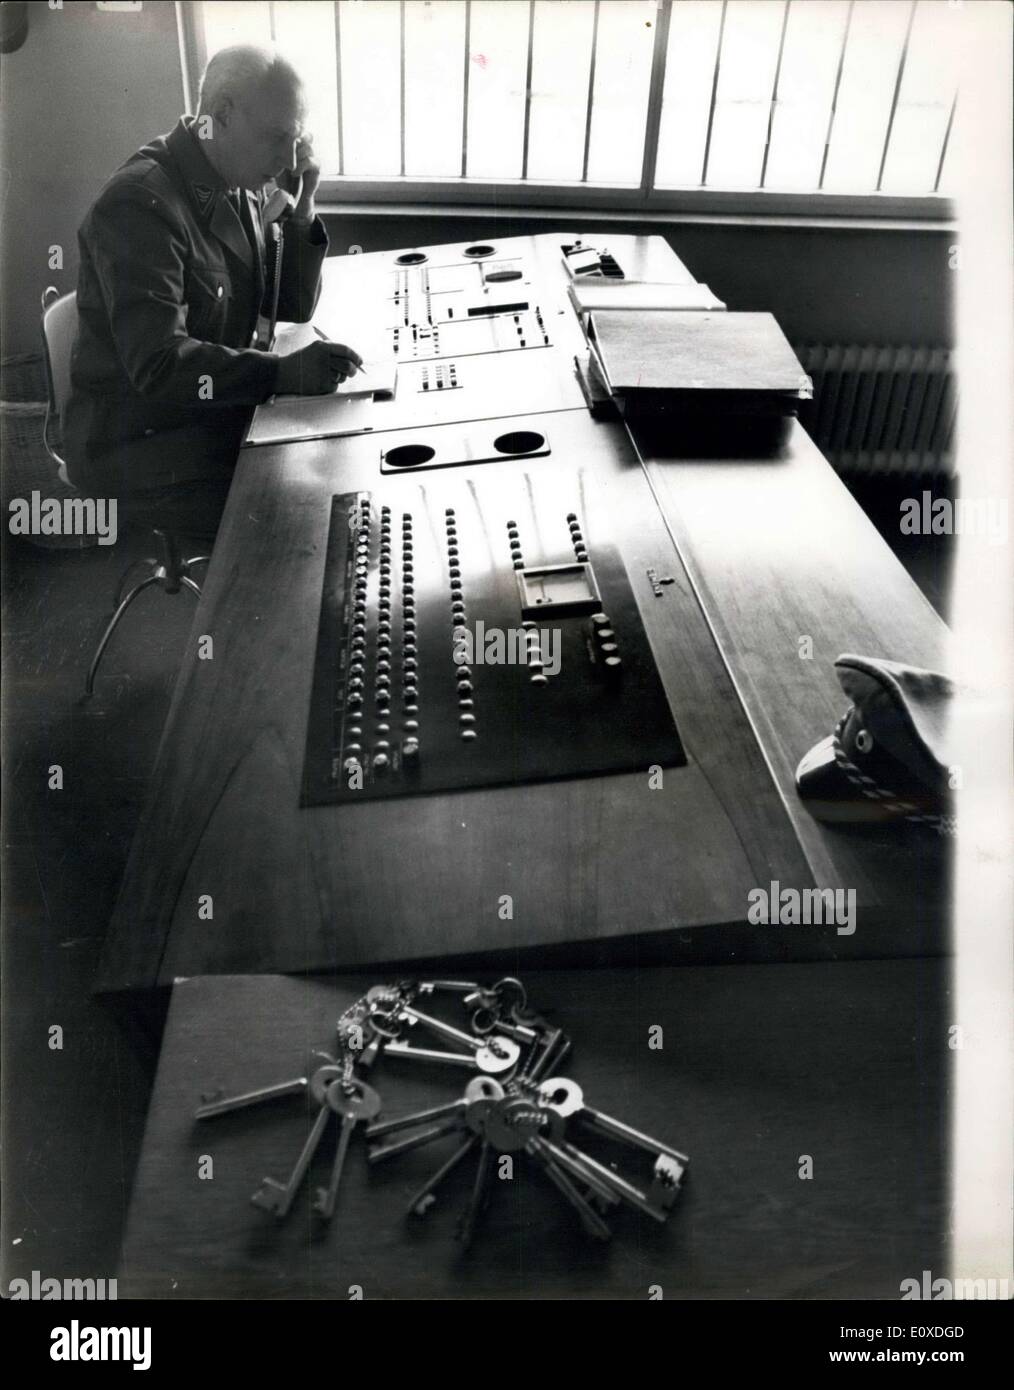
column 888, row 758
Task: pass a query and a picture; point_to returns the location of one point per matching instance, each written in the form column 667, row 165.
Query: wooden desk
column 777, row 552
column 761, row 1065
column 761, row 551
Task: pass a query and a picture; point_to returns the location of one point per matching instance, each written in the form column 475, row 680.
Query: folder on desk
column 702, row 362
column 598, row 296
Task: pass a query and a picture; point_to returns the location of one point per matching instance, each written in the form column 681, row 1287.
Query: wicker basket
column 25, row 462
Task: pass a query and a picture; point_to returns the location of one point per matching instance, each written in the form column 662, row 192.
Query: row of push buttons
column 357, row 663
column 440, row 378
column 382, row 679
column 606, row 645
column 409, row 650
column 517, row 559
column 356, row 697
column 463, row 673
column 577, row 538
column 533, row 654
column 533, row 642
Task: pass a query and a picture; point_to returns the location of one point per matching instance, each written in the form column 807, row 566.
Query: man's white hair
column 237, row 71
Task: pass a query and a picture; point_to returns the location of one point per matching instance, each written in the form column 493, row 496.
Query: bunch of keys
column 501, row 1025
column 336, row 1090
column 508, row 1106
column 537, row 1118
column 504, row 1033
column 362, row 1030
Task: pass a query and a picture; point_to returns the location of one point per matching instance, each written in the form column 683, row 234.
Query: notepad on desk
column 376, row 379
column 347, row 410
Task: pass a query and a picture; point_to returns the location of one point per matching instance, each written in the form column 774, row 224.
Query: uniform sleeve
column 139, row 249
column 303, row 253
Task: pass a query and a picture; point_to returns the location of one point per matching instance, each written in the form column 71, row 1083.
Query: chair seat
column 170, row 571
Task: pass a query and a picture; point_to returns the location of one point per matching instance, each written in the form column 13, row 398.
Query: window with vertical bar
column 836, row 104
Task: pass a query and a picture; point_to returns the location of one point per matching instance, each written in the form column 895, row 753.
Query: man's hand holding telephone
column 296, row 188
column 321, row 367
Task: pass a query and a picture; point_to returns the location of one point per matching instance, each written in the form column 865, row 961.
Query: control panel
column 464, row 309
column 477, row 634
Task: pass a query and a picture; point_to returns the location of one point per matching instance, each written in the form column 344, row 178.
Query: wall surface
column 88, row 88
column 82, row 93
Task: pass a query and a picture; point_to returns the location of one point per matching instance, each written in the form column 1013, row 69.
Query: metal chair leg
column 121, row 584
column 186, row 574
column 171, row 572
column 111, row 628
column 172, row 563
column 184, row 567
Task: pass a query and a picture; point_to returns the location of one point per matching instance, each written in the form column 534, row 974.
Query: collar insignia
column 204, row 195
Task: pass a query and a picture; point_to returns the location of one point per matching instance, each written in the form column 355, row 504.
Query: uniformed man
column 182, row 276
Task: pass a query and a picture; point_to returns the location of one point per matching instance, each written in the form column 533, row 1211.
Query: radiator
column 882, row 410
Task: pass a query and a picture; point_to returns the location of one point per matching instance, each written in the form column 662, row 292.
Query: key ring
column 386, row 1023
column 511, row 981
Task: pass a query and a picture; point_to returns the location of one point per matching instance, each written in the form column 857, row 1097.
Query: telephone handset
column 282, row 198
column 277, row 209
column 280, row 203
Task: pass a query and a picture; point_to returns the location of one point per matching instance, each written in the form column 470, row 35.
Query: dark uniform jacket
column 164, row 374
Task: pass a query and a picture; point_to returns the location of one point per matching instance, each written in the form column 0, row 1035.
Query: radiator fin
column 882, row 410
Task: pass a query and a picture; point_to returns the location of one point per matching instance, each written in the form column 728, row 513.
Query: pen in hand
column 357, row 368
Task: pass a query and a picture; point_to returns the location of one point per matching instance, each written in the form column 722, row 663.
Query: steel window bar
column 464, row 88
column 591, row 93
column 338, row 84
column 774, row 92
column 714, row 95
column 897, row 93
column 528, row 88
column 834, row 95
column 401, row 67
column 946, row 141
column 656, row 90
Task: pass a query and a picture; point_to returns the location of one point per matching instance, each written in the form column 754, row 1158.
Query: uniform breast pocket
column 208, row 297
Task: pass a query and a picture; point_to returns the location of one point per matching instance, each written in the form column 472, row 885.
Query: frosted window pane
column 693, row 39
column 434, row 87
column 227, row 22
column 626, row 38
column 924, row 100
column 745, row 81
column 560, row 64
column 813, row 39
column 371, row 65
column 496, row 88
column 864, row 97
column 304, row 32
column 787, row 141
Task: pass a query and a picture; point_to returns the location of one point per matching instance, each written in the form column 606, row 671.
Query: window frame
column 519, row 195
